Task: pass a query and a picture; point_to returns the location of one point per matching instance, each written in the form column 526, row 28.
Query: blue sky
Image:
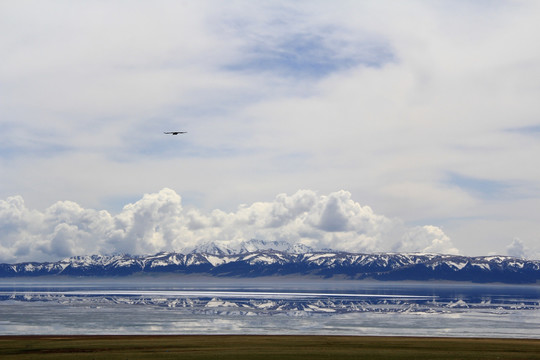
column 425, row 114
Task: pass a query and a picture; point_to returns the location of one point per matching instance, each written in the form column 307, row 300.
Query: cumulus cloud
column 519, row 249
column 159, row 222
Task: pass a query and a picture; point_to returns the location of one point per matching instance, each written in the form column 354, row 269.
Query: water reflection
column 165, row 306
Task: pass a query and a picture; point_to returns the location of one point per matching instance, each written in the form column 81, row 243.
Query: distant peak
column 253, row 245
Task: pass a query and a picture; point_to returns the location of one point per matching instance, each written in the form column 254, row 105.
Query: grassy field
column 263, row 347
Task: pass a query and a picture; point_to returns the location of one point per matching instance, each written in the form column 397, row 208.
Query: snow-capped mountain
column 225, row 248
column 271, row 262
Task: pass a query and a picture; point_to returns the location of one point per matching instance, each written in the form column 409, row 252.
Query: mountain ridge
column 224, row 248
column 270, row 262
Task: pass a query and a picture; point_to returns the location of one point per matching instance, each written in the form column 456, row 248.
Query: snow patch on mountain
column 271, row 262
column 253, row 245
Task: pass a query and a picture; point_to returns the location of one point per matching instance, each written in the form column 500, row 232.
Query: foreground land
column 263, row 347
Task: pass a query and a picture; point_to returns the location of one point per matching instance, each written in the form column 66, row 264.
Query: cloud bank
column 159, row 222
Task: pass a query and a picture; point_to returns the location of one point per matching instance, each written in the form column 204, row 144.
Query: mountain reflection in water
column 269, row 306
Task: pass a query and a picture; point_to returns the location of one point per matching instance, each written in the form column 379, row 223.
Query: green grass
column 263, row 347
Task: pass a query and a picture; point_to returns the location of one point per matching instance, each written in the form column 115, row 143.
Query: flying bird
column 174, row 132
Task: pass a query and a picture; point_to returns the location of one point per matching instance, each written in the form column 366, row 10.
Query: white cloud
column 158, row 222
column 519, row 249
column 428, row 238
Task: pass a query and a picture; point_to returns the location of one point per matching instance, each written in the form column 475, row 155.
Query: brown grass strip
column 263, row 347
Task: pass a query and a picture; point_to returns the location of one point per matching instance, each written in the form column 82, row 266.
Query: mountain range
column 256, row 258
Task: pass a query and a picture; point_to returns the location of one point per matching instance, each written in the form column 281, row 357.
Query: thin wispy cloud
column 526, row 130
column 309, row 56
column 484, row 188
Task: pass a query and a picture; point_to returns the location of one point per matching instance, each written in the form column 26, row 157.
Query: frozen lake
column 194, row 305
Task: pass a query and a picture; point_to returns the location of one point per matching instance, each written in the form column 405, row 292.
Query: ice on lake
column 187, row 305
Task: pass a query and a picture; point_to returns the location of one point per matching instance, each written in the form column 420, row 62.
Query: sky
column 364, row 126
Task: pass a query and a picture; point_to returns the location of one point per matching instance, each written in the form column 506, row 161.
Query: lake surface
column 197, row 305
